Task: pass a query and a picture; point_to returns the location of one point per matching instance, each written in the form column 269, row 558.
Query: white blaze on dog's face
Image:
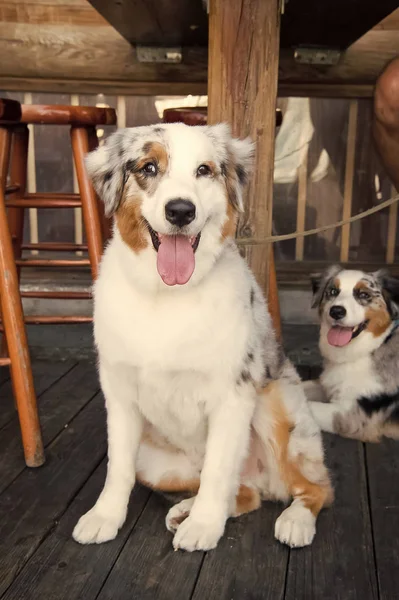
column 356, row 309
column 175, row 191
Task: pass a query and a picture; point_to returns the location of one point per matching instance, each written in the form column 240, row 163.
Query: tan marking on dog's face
column 376, row 313
column 131, row 224
column 313, row 495
column 153, row 153
column 379, row 319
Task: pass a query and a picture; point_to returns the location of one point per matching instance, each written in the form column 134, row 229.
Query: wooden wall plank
column 40, row 13
column 88, row 53
column 93, row 58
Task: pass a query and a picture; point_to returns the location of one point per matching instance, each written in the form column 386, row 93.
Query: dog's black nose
column 180, row 212
column 337, row 312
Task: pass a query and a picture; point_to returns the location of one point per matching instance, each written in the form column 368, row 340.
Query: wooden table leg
column 244, row 42
column 13, row 321
column 91, row 217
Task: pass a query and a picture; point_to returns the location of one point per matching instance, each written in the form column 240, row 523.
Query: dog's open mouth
column 342, row 336
column 175, row 260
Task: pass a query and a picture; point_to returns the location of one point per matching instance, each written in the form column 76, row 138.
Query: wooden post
column 244, row 40
column 349, row 176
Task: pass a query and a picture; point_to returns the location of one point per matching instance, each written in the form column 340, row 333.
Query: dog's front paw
column 95, row 528
column 193, row 534
column 178, row 513
column 296, row 526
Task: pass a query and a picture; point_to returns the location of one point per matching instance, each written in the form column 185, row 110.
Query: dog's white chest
column 346, row 383
column 176, row 405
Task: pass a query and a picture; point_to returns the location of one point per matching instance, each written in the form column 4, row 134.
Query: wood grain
column 75, row 570
column 44, row 376
column 243, row 65
column 149, row 568
column 92, row 58
column 349, row 178
column 248, row 562
column 87, row 52
column 383, row 471
column 30, row 507
column 57, row 406
column 340, row 562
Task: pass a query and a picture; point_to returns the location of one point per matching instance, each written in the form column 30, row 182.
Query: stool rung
column 51, row 263
column 56, row 320
column 11, row 189
column 5, row 362
column 45, row 201
column 55, row 247
column 61, row 295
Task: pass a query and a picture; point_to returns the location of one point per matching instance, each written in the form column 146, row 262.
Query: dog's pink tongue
column 339, row 336
column 175, row 260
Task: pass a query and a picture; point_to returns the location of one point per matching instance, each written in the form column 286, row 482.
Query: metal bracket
column 317, row 56
column 153, row 54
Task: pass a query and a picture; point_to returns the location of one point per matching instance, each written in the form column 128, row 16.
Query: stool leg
column 18, row 174
column 106, row 223
column 13, row 323
column 91, row 217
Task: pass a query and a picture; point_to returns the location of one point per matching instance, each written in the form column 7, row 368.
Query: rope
column 291, row 236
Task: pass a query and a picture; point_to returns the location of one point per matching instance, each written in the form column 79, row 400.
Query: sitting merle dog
column 357, row 395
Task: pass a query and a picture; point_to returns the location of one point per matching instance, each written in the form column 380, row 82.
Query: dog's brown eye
column 203, row 171
column 150, row 169
column 334, row 292
column 364, row 296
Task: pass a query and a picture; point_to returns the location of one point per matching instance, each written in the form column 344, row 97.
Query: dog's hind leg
column 295, row 448
column 164, row 468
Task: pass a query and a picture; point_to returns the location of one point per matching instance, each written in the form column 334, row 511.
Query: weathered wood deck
column 354, row 556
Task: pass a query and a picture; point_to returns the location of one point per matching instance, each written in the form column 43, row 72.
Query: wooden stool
column 199, row 116
column 14, row 137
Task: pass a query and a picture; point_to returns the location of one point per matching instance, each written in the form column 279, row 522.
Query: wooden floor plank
column 45, row 374
column 148, row 568
column 57, row 406
column 383, row 475
column 33, row 503
column 339, row 565
column 62, row 569
column 248, row 562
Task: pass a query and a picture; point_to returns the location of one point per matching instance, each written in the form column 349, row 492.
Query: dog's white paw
column 296, row 526
column 95, row 528
column 178, row 513
column 193, row 534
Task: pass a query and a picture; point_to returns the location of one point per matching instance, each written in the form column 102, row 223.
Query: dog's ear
column 105, row 169
column 320, row 282
column 390, row 290
column 237, row 159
